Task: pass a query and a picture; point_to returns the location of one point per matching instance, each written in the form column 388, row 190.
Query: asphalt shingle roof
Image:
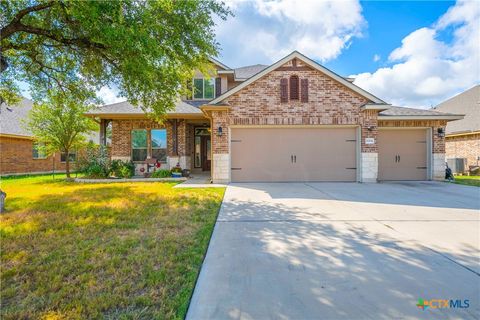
column 403, row 111
column 124, row 107
column 248, row 71
column 11, row 118
column 467, row 103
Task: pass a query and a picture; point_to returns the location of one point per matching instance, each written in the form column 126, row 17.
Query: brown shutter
column 190, row 89
column 284, row 90
column 218, row 87
column 304, row 85
column 294, row 94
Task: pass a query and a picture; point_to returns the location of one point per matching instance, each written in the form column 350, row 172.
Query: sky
column 408, row 53
column 414, row 54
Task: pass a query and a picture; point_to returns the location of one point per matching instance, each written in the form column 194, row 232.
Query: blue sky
column 408, row 53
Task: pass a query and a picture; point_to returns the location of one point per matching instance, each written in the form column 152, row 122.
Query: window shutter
column 284, row 90
column 304, row 85
column 294, row 94
column 218, row 87
column 190, row 89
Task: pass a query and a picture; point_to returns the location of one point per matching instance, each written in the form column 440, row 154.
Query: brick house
column 462, row 138
column 18, row 151
column 291, row 121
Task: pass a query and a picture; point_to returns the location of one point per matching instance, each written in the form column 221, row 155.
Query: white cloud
column 109, row 95
column 271, row 29
column 426, row 69
column 376, row 57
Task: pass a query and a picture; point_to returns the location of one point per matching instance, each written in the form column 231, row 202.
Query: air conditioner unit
column 458, row 165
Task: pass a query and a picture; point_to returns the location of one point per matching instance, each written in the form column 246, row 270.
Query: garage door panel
column 300, row 154
column 402, row 154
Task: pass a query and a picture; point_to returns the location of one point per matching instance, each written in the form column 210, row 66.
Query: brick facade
column 17, row 158
column 464, row 146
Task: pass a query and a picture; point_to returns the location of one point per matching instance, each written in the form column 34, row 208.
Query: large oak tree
column 146, row 49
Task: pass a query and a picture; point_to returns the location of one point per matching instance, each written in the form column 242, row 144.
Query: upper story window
column 203, row 88
column 294, row 87
column 38, row 151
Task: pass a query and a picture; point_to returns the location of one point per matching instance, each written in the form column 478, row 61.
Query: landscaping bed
column 108, row 251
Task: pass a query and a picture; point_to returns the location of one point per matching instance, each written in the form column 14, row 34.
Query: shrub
column 163, row 173
column 121, row 169
column 94, row 162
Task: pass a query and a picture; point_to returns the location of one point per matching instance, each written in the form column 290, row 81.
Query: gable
column 301, row 62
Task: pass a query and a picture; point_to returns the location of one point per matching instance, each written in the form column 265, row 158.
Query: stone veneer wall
column 330, row 103
column 464, row 146
column 16, row 157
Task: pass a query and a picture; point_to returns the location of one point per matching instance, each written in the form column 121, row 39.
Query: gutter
column 432, row 117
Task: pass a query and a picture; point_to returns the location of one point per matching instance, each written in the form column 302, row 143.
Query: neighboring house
column 294, row 120
column 18, row 151
column 463, row 136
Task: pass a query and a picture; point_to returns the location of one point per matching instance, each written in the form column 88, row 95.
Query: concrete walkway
column 341, row 251
column 199, row 180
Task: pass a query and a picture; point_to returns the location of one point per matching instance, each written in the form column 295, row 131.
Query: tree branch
column 11, row 28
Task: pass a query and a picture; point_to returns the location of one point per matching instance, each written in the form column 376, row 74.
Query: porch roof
column 124, row 108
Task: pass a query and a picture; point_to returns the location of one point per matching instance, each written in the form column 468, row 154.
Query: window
column 203, row 88
column 38, row 151
column 139, row 145
column 294, row 90
column 159, row 144
column 72, row 156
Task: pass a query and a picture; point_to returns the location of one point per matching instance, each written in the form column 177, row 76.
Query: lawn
column 103, row 251
column 468, row 180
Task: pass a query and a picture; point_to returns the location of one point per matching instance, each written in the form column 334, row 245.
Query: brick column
column 438, row 151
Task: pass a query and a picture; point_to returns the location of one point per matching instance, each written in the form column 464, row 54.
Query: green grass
column 468, row 180
column 103, row 251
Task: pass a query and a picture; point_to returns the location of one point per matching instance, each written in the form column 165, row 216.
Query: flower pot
column 176, row 174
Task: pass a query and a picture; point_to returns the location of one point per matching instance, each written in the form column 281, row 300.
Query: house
column 19, row 153
column 294, row 120
column 462, row 138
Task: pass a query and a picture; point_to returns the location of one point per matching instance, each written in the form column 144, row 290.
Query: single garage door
column 293, row 154
column 402, row 154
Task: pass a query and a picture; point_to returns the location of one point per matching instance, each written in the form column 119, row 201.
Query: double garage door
column 323, row 154
column 293, row 154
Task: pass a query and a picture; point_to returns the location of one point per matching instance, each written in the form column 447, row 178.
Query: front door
column 206, row 153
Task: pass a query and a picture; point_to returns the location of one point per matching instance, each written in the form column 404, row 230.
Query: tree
column 146, row 49
column 60, row 125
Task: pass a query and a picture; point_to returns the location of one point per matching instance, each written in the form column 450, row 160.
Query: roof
column 11, row 118
column 467, row 103
column 246, row 72
column 393, row 113
column 186, row 107
column 308, row 61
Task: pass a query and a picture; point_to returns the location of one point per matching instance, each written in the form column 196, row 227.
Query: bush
column 121, row 169
column 163, row 173
column 94, row 162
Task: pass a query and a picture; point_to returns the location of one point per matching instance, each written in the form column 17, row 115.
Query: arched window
column 294, row 87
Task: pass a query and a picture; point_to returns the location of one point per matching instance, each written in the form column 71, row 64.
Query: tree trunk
column 67, row 164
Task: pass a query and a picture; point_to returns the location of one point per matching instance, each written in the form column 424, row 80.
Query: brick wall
column 121, row 136
column 16, row 157
column 466, row 146
column 329, row 103
column 438, row 141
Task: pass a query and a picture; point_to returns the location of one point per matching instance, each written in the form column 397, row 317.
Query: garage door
column 402, row 154
column 293, row 154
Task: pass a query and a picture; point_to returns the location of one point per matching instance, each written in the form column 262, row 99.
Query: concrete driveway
column 341, row 250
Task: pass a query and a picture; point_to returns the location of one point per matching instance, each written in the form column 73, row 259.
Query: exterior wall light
column 441, row 132
column 370, row 128
column 219, row 131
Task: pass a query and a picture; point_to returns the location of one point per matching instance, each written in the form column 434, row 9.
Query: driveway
column 341, row 250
